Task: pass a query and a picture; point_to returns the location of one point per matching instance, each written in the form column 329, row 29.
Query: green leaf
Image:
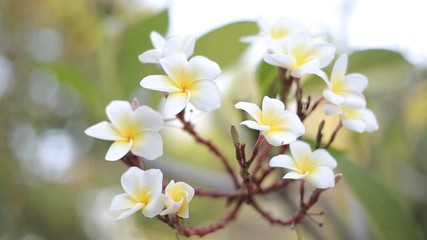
column 223, row 45
column 74, row 77
column 392, row 219
column 268, row 79
column 136, row 40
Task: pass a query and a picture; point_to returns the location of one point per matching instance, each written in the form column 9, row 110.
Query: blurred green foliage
column 385, row 172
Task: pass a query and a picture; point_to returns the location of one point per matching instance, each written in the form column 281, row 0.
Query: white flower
column 135, row 131
column 314, row 167
column 187, row 81
column 278, row 125
column 358, row 120
column 143, row 191
column 300, row 55
column 178, row 196
column 279, row 30
column 164, row 48
column 345, row 90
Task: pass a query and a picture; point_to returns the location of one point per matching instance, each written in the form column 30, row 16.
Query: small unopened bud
column 134, row 103
column 338, row 177
column 235, row 135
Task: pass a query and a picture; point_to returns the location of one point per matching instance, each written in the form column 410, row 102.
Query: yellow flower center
column 351, row 113
column 305, row 166
column 278, row 33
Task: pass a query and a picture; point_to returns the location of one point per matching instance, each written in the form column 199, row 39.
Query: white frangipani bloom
column 314, row 167
column 345, row 90
column 358, row 120
column 164, row 48
column 279, row 126
column 178, row 196
column 187, row 81
column 136, row 131
column 300, row 54
column 143, row 191
column 278, row 31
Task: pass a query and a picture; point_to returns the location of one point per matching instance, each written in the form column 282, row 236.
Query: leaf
column 392, row 219
column 74, row 77
column 268, row 79
column 136, row 40
column 223, row 44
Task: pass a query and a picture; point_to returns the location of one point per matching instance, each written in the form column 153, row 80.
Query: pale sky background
column 358, row 24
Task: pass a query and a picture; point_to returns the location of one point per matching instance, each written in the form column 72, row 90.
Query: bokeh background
column 62, row 62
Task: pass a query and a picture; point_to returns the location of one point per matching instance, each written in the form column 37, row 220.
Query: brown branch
column 202, row 231
column 334, row 134
column 189, row 127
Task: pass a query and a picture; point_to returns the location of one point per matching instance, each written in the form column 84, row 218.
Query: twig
column 189, row 127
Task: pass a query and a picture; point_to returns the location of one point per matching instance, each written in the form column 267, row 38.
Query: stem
column 334, row 134
column 190, row 129
column 202, row 231
column 301, row 193
column 286, row 82
column 255, row 151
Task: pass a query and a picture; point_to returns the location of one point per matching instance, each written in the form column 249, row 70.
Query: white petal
column 300, row 151
column 132, row 180
column 280, row 60
column 148, row 118
column 354, row 100
column 325, row 53
column 323, row 158
column 159, row 83
column 271, row 108
column 148, row 144
column 294, row 175
column 371, row 120
column 118, row 150
column 172, row 206
column 263, row 24
column 283, row 161
column 332, row 97
column 183, row 45
column 157, row 40
column 119, row 113
column 288, row 121
column 131, row 211
column 322, row 177
column 279, row 138
column 153, row 180
column 200, row 67
column 251, row 109
column 122, row 201
column 150, row 56
column 104, row 130
column 330, row 109
column 174, row 66
column 356, row 125
column 254, row 125
column 340, row 67
column 356, row 82
column 184, row 211
column 176, row 102
column 310, row 67
column 154, row 207
column 205, row 95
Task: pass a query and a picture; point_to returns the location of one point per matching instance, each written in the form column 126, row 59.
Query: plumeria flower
column 187, row 81
column 164, row 48
column 358, row 120
column 178, row 196
column 345, row 90
column 300, row 55
column 136, row 131
column 279, row 126
column 314, row 167
column 143, row 191
column 279, row 30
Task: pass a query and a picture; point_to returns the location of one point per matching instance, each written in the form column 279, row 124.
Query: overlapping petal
column 205, row 95
column 176, row 102
column 130, row 130
column 142, row 192
column 279, row 126
column 314, row 167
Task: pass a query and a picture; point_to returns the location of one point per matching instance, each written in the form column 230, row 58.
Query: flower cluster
column 189, row 79
column 143, row 191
